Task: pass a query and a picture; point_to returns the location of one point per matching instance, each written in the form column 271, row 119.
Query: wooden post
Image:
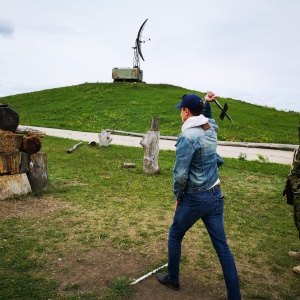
column 154, row 125
column 38, row 175
column 150, row 144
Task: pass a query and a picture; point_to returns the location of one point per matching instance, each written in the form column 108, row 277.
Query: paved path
column 276, row 156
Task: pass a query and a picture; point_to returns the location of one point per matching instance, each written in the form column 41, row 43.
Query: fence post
column 150, row 144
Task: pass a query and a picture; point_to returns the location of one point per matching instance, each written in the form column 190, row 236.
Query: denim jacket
column 196, row 166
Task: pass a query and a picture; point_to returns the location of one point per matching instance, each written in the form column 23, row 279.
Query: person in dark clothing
column 292, row 193
column 197, row 191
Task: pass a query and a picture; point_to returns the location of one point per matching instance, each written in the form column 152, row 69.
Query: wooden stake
column 38, row 175
column 150, row 144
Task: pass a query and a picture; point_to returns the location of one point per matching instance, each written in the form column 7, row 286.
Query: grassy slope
column 130, row 107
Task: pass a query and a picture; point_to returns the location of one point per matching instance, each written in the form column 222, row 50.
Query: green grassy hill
column 130, row 107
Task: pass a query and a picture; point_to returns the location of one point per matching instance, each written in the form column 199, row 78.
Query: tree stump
column 104, row 138
column 37, row 174
column 150, row 144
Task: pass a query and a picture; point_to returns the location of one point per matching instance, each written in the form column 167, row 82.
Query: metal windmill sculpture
column 134, row 74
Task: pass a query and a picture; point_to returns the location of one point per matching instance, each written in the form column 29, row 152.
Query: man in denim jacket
column 197, row 190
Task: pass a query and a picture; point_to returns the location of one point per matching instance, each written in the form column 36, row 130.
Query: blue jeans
column 208, row 206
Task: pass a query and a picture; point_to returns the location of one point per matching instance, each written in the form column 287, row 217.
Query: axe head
column 224, row 110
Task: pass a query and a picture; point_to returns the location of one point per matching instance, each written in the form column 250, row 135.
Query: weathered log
column 31, row 144
column 9, row 141
column 27, row 131
column 128, row 165
column 38, row 174
column 150, row 144
column 13, row 185
column 10, row 163
column 124, row 132
column 104, row 138
column 74, row 147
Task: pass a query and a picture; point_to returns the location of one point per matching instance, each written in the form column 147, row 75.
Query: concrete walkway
column 276, row 156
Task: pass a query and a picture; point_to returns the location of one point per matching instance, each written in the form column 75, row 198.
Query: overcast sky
column 245, row 50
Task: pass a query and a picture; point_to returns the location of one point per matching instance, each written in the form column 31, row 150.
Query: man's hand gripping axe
column 224, row 111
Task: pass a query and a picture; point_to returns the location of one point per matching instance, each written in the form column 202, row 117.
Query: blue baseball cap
column 190, row 101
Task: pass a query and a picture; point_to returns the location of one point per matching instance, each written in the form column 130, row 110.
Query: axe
column 224, row 111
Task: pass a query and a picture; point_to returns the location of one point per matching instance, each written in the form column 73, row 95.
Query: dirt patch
column 150, row 289
column 95, row 269
column 31, row 207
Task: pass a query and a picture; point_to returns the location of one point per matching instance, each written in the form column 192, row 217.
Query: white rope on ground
column 149, row 274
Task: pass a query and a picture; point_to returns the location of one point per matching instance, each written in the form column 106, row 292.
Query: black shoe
column 163, row 279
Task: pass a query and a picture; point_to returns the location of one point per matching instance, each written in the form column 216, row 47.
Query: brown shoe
column 297, row 270
column 295, row 255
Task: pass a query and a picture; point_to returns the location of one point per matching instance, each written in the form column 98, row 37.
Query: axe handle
column 219, row 105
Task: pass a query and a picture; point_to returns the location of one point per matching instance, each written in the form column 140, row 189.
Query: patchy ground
column 149, row 289
column 31, row 207
column 97, row 269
